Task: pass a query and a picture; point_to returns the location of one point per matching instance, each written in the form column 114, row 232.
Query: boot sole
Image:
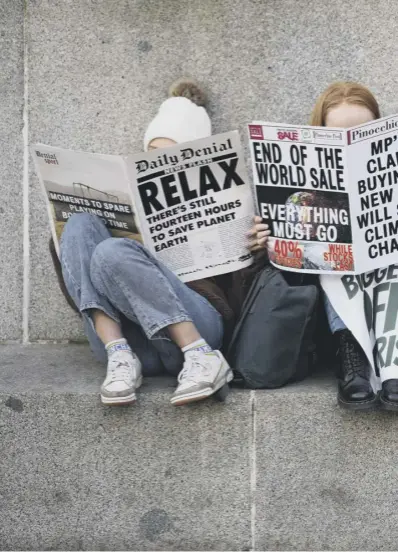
column 364, row 405
column 203, row 394
column 122, row 401
column 386, row 405
column 119, row 401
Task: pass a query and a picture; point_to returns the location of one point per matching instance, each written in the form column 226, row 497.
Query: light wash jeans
column 335, row 322
column 124, row 280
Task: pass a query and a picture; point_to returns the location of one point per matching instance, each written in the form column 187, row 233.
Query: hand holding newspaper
column 190, row 204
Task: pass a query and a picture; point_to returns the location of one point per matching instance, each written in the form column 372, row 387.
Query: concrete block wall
column 11, row 168
column 89, row 74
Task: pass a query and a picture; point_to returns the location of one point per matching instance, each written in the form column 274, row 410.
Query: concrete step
column 267, row 470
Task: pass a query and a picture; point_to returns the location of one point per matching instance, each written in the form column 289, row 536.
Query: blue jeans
column 124, row 280
column 335, row 322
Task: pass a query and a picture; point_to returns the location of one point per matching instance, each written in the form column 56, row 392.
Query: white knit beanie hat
column 178, row 119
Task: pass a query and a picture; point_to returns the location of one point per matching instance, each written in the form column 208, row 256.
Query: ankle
column 198, row 346
column 117, row 345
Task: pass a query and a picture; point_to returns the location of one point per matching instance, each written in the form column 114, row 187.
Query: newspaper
column 329, row 195
column 195, row 205
column 368, row 305
column 191, row 205
column 77, row 182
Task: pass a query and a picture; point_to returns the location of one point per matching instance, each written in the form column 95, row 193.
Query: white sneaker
column 123, row 377
column 202, row 375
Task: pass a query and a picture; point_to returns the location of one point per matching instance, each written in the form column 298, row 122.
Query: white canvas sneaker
column 123, row 377
column 202, row 375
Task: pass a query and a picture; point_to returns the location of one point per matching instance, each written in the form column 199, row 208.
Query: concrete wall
column 96, row 70
column 11, row 168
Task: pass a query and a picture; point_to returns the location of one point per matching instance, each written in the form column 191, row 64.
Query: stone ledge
column 71, row 368
column 267, row 470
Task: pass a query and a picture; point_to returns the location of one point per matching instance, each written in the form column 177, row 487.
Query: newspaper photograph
column 77, row 182
column 195, row 205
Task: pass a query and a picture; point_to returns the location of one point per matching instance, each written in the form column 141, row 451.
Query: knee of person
column 115, row 256
column 79, row 223
column 106, row 254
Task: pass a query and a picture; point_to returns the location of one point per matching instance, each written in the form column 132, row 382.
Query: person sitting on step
column 138, row 316
column 361, row 367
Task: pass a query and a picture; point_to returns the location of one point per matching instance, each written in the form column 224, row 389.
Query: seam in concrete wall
column 25, row 187
column 253, row 468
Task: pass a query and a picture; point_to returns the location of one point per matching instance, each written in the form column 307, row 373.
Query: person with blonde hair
column 355, row 103
column 344, row 105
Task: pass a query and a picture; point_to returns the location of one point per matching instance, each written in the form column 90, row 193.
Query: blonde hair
column 343, row 92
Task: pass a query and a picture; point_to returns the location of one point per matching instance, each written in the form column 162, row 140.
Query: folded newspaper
column 329, row 195
column 191, row 205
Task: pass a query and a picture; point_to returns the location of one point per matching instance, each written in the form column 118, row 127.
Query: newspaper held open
column 190, row 204
column 329, row 195
column 195, row 205
column 300, row 177
column 78, row 182
column 373, row 182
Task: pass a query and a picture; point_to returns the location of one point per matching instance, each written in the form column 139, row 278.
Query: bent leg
column 146, row 292
column 82, row 234
column 152, row 364
column 354, row 389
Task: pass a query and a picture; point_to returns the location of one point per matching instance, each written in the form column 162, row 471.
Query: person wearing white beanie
column 179, row 120
column 138, row 315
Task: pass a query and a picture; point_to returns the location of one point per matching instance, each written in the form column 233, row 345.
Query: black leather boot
column 354, row 389
column 389, row 395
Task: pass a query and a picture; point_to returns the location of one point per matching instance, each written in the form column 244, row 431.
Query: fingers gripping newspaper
column 191, row 204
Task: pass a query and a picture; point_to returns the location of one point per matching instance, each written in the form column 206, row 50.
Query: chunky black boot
column 389, row 395
column 354, row 390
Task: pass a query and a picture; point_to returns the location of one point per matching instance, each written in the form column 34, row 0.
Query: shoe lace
column 194, row 369
column 353, row 359
column 119, row 369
